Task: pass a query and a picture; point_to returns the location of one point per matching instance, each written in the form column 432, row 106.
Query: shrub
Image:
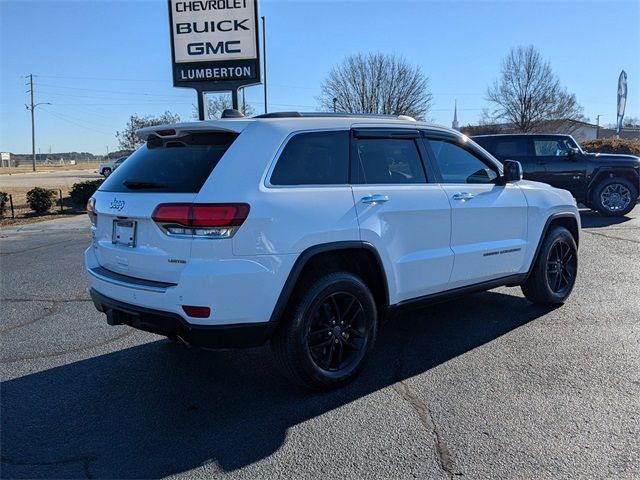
column 82, row 191
column 4, row 198
column 612, row 145
column 41, row 199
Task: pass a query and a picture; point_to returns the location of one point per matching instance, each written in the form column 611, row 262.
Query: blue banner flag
column 622, row 100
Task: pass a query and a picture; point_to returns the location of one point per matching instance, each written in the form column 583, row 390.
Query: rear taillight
column 206, row 220
column 91, row 211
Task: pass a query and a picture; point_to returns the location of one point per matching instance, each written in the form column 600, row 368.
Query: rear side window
column 314, row 158
column 388, row 161
column 512, row 147
column 177, row 165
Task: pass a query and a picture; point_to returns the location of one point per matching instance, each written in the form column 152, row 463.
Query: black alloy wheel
column 554, row 270
column 337, row 332
column 329, row 329
column 562, row 266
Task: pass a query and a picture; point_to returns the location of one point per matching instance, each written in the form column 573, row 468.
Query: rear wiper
column 139, row 185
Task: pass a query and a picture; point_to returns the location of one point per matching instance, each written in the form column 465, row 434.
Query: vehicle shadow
column 157, row 409
column 592, row 219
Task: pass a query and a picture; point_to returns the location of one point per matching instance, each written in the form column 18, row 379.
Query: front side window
column 458, row 165
column 553, row 147
column 388, row 161
column 314, row 158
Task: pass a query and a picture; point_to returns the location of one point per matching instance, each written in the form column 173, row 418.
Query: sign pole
column 264, row 59
column 234, row 99
column 201, row 104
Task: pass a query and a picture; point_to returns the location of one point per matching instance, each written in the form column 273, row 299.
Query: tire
column 555, row 269
column 106, row 172
column 615, row 196
column 299, row 344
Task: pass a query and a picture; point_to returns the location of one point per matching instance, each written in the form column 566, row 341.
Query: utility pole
column 32, row 107
column 33, row 124
column 598, row 126
column 264, row 59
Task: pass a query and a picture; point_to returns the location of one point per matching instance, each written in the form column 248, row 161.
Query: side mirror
column 512, row 171
column 573, row 153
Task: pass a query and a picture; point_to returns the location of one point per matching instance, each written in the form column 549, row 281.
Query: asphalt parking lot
column 488, row 386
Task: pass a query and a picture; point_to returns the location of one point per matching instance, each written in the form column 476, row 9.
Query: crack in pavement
column 84, row 459
column 48, row 300
column 130, row 331
column 612, row 237
column 443, row 454
column 4, row 254
column 54, row 308
column 426, row 419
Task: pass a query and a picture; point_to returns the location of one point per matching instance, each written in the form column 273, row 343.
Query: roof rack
column 331, row 115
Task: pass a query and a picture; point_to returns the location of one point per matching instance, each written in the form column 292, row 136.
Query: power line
column 104, row 78
column 121, row 97
column 116, row 92
column 72, row 122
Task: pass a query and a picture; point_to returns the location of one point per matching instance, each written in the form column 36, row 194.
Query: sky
column 99, row 61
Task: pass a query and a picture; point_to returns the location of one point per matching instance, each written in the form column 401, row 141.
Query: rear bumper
column 171, row 324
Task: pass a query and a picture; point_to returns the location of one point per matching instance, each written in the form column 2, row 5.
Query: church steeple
column 455, row 125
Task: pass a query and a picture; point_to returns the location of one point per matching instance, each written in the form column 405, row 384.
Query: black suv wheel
column 615, row 196
column 555, row 269
column 330, row 332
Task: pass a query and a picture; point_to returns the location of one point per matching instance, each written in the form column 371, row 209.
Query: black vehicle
column 605, row 182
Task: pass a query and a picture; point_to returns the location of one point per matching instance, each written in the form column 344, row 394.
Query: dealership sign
column 214, row 44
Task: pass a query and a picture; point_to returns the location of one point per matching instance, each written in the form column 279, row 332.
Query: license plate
column 124, row 233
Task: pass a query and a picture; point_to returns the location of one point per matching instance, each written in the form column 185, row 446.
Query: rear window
column 177, row 165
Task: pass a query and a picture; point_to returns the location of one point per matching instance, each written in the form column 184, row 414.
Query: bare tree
column 216, row 104
column 528, row 93
column 376, row 83
column 127, row 138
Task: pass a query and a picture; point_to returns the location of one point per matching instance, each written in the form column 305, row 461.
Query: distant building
column 632, row 133
column 454, row 124
column 5, row 160
column 581, row 131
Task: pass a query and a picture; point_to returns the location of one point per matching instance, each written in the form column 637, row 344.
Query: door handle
column 463, row 196
column 375, row 199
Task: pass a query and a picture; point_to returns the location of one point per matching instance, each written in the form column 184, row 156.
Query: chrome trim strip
column 129, row 282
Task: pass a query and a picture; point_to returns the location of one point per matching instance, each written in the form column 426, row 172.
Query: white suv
column 309, row 230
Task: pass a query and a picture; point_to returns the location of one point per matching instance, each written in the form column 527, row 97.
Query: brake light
column 91, row 211
column 213, row 220
column 166, row 133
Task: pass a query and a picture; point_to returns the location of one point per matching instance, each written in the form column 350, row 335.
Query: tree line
column 526, row 93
